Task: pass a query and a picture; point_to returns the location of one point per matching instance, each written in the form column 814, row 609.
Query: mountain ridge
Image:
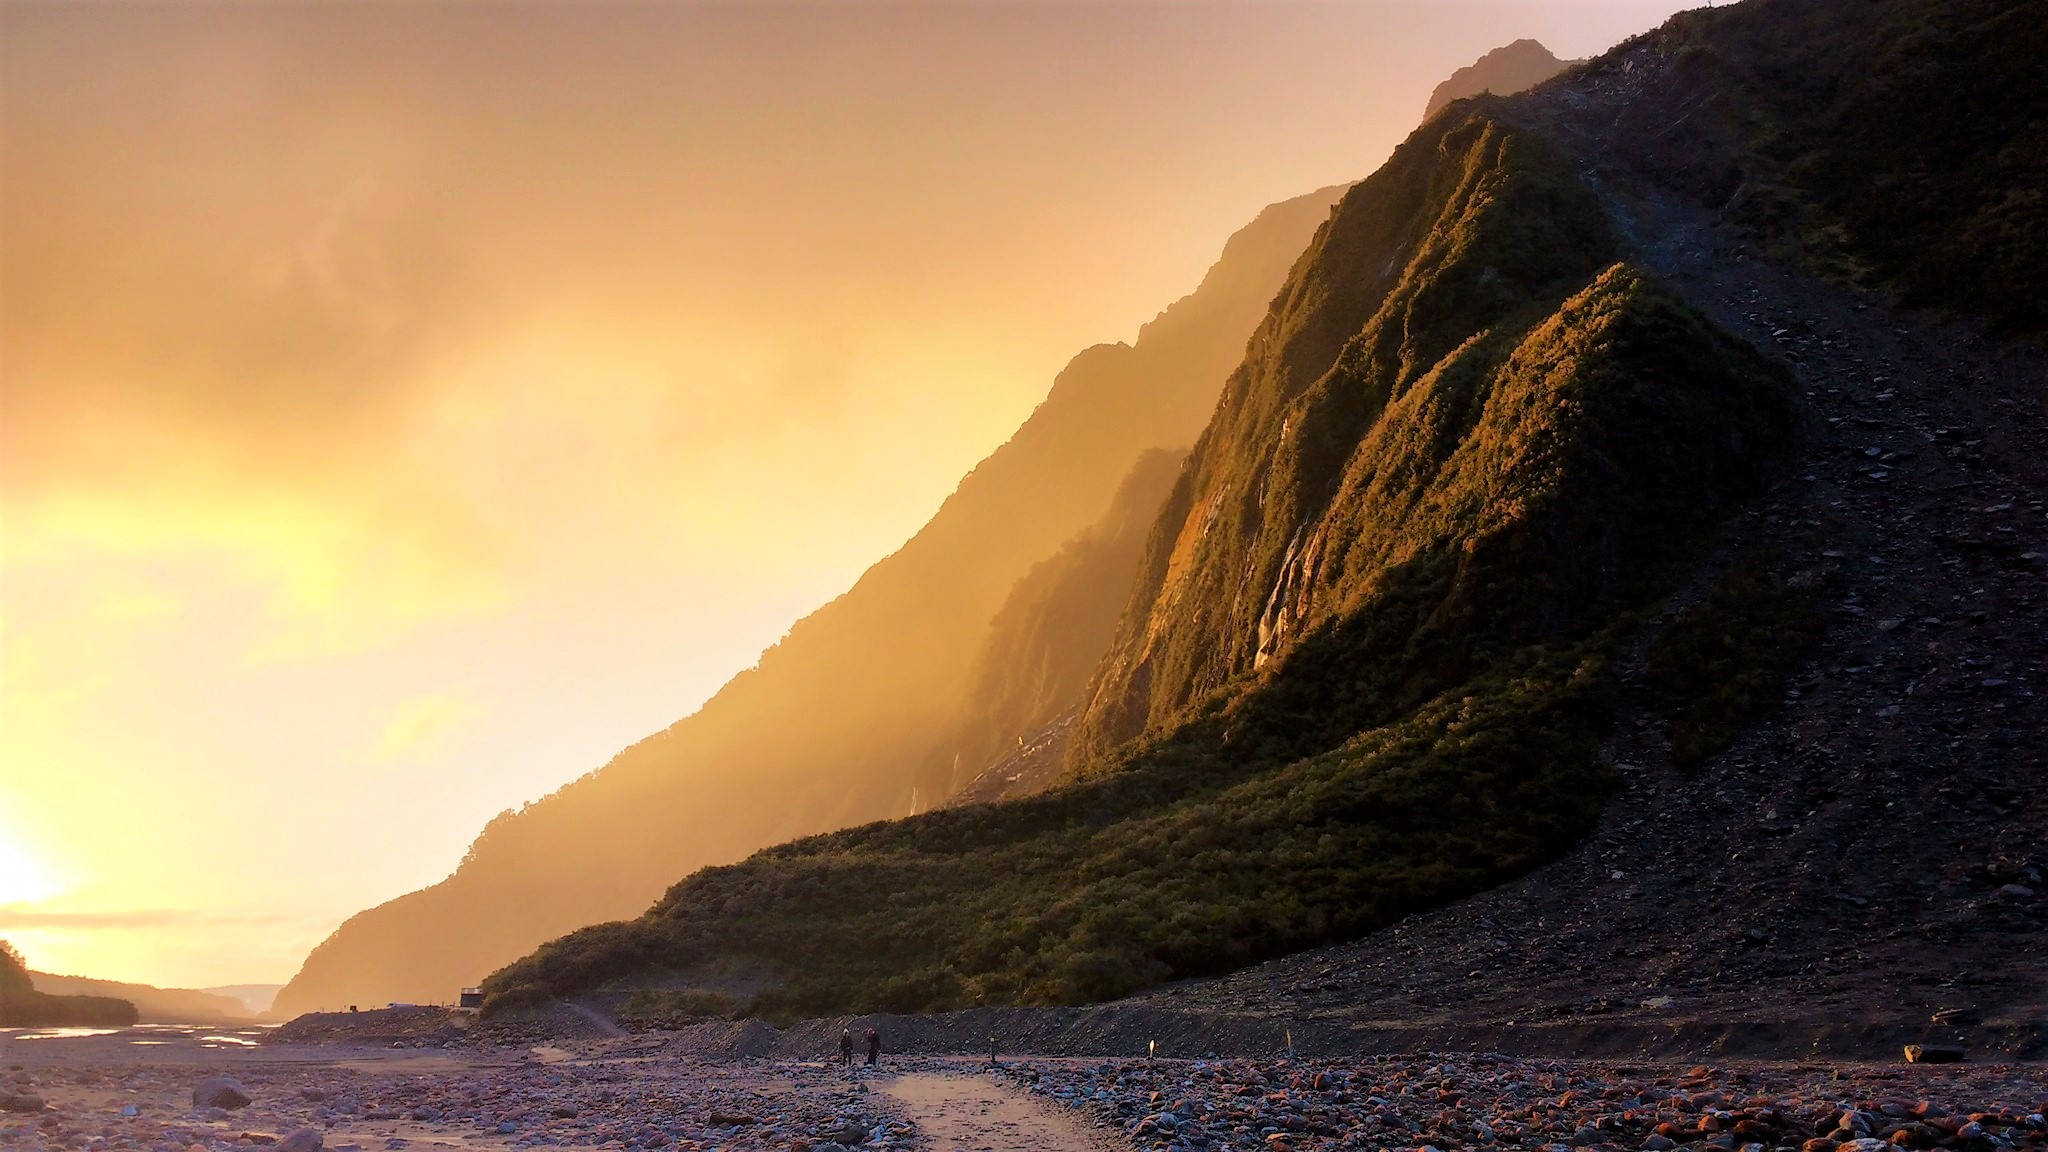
column 1482, row 595
column 23, row 1005
column 947, row 746
column 153, row 1005
column 1504, row 71
column 732, row 777
column 1532, row 434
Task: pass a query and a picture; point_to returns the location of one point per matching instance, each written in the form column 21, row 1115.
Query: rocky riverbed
column 539, row 1101
column 137, row 1092
column 1455, row 1103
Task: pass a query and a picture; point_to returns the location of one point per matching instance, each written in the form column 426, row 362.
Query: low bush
column 1721, row 664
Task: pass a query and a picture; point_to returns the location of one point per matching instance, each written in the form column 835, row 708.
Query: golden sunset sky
column 407, row 405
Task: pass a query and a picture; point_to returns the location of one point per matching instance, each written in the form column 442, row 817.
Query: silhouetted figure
column 874, row 1046
column 846, row 1047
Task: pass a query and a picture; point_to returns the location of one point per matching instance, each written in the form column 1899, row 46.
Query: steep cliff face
column 1470, row 227
column 843, row 720
column 1043, row 645
column 1361, row 671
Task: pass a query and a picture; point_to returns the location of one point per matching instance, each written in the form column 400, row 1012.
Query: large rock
column 20, row 1101
column 1933, row 1054
column 301, row 1140
column 220, row 1092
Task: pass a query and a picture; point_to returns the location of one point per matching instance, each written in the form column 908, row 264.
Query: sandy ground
column 957, row 1109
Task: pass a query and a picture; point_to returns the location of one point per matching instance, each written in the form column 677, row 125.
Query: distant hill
column 1532, row 482
column 256, row 998
column 155, row 1005
column 23, row 1006
column 1503, row 72
column 856, row 715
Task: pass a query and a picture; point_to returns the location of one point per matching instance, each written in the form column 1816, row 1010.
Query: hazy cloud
column 422, row 722
column 19, row 916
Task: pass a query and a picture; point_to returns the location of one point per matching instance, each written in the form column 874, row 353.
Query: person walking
column 846, row 1047
column 874, row 1046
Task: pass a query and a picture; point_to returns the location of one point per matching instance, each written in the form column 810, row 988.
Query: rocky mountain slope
column 1868, row 854
column 980, row 697
column 862, row 711
column 1583, row 453
column 1868, row 851
column 1042, row 627
column 1505, row 456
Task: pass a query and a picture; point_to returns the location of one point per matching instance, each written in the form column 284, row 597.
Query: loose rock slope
column 1870, row 851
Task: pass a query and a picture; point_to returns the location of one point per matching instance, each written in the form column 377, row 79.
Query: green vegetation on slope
column 1337, row 472
column 1722, row 663
column 669, row 1007
column 21, row 1006
column 1493, row 470
column 1186, row 864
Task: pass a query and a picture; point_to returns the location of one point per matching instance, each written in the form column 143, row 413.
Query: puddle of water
column 154, row 1035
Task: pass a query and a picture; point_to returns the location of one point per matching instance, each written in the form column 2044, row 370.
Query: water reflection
column 153, row 1035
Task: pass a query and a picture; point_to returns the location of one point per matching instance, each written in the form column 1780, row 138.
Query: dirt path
column 966, row 1112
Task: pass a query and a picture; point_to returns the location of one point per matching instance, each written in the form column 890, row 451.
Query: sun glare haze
column 409, row 406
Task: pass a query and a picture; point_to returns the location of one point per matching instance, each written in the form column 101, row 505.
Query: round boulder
column 220, row 1092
